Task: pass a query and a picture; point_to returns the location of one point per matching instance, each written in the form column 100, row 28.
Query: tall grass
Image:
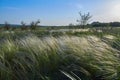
column 58, row 58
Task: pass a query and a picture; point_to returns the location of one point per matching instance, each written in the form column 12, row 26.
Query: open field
column 40, row 55
column 59, row 39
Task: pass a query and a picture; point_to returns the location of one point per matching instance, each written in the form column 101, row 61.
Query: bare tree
column 71, row 24
column 33, row 24
column 84, row 18
column 23, row 27
column 7, row 26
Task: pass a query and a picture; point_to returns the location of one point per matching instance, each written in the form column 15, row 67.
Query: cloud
column 78, row 6
column 11, row 8
column 75, row 5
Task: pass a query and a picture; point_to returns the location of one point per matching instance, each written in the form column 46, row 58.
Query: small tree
column 33, row 25
column 71, row 25
column 7, row 26
column 84, row 18
column 23, row 27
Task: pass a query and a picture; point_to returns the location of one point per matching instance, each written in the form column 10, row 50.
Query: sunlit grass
column 59, row 58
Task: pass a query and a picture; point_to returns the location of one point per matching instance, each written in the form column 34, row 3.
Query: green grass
column 56, row 56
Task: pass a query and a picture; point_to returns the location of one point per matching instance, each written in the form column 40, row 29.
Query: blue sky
column 58, row 12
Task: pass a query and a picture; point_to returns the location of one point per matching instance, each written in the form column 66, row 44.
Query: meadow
column 80, row 54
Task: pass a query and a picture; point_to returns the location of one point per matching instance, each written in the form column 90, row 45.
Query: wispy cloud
column 76, row 5
column 11, row 8
column 79, row 6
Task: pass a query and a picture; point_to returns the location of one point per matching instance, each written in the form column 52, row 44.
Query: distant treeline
column 33, row 26
column 111, row 24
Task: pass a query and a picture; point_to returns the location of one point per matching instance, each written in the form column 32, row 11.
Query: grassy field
column 61, row 55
